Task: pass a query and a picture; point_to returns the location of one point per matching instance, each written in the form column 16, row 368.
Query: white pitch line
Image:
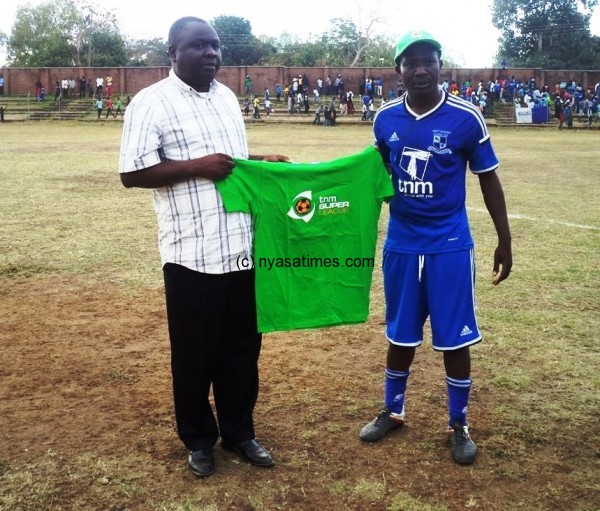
column 533, row 219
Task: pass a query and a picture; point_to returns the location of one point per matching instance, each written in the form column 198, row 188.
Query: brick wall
column 129, row 80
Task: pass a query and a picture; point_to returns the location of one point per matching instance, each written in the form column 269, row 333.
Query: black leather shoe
column 201, row 462
column 250, row 451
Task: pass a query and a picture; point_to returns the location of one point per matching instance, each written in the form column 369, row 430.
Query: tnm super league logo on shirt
column 302, row 207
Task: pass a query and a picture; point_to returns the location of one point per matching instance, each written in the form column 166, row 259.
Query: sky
column 465, row 32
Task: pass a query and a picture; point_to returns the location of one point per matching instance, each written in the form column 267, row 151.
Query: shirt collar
column 180, row 84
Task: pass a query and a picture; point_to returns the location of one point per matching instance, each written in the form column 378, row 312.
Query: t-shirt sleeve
column 239, row 188
column 384, row 189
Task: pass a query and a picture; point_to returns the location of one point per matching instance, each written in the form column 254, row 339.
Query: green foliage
column 238, row 45
column 41, row 35
column 148, row 52
column 109, row 49
column 551, row 34
column 65, row 34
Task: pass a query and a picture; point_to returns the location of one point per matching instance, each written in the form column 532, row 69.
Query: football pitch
column 86, row 419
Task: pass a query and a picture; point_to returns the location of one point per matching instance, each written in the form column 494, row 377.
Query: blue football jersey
column 428, row 156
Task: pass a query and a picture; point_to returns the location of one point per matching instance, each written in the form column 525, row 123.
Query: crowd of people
column 330, row 97
column 567, row 99
column 101, row 90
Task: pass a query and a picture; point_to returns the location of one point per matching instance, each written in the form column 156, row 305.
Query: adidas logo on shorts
column 466, row 331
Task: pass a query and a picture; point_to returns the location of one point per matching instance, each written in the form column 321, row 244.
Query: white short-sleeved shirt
column 170, row 121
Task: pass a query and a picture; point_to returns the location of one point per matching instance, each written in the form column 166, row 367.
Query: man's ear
column 397, row 68
column 171, row 52
column 441, row 63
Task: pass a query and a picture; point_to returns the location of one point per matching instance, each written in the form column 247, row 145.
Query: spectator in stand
column 328, row 86
column 82, row 85
column 318, row 112
column 558, row 111
column 119, row 107
column 99, row 106
column 350, row 102
column 320, row 85
column 306, row 102
column 99, row 86
column 57, row 91
column 247, row 85
column 1, row 85
column 332, row 117
column 89, row 88
column 278, row 91
column 327, row 116
column 369, row 87
column 568, row 114
column 343, row 103
column 268, row 108
column 364, row 103
column 256, row 105
column 109, row 108
column 38, row 89
column 65, row 88
column 316, row 95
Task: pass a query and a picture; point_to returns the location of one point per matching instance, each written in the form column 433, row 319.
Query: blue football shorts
column 438, row 286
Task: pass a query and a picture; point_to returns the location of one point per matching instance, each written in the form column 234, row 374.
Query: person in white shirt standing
column 180, row 135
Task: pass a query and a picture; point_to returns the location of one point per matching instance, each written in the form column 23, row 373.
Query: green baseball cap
column 413, row 37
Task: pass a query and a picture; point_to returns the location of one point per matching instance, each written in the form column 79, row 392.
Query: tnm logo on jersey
column 414, row 163
column 440, row 142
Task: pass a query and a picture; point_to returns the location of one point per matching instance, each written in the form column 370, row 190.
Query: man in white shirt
column 180, row 135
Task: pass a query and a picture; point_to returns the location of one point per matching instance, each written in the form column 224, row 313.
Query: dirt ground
column 86, row 420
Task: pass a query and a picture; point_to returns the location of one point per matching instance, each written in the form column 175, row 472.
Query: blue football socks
column 395, row 389
column 458, row 400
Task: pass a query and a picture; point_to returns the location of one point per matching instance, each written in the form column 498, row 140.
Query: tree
column 553, row 34
column 238, row 46
column 64, row 34
column 40, row 35
column 109, row 49
column 148, row 52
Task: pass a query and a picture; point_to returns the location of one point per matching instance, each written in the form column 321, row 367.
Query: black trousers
column 214, row 341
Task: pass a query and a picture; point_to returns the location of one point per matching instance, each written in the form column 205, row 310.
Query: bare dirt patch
column 86, row 420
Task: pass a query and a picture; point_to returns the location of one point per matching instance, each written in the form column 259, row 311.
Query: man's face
column 420, row 67
column 196, row 55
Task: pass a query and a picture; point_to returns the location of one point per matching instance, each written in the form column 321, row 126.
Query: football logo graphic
column 302, row 207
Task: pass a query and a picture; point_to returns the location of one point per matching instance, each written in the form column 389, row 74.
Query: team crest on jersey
column 440, row 142
column 302, row 207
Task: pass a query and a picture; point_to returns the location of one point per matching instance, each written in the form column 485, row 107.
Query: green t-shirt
column 315, row 236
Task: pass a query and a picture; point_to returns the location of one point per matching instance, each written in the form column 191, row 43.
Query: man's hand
column 502, row 264
column 214, row 166
column 269, row 157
